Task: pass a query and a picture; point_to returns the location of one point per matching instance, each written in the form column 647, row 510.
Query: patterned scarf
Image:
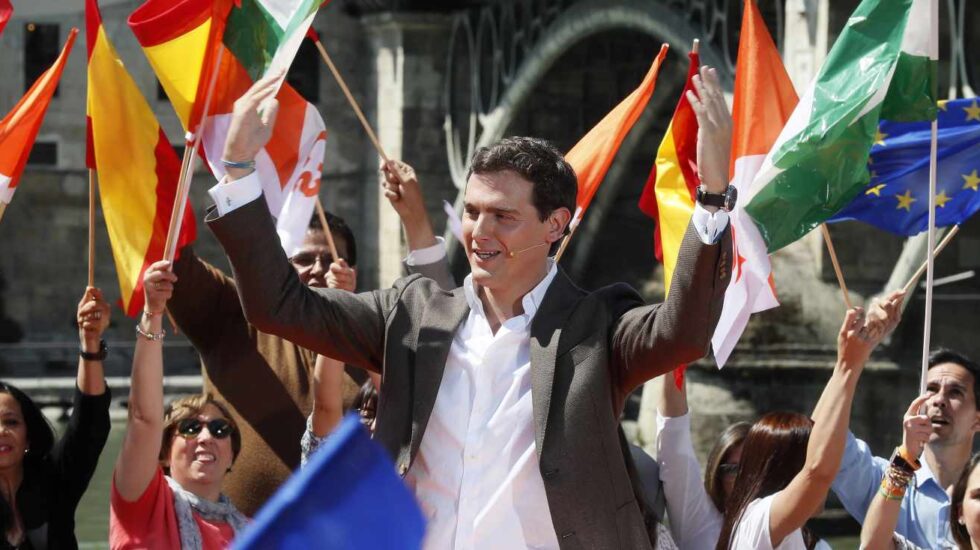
column 186, row 503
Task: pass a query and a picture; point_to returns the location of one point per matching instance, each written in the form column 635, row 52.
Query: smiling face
column 13, row 433
column 201, row 460
column 500, row 219
column 951, row 406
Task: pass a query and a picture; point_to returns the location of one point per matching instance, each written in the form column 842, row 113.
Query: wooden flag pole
column 91, row 227
column 565, row 241
column 326, row 230
column 350, row 99
column 837, row 269
column 192, row 142
column 931, row 236
column 925, row 264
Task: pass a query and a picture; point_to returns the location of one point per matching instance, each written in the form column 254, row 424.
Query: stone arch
column 574, row 26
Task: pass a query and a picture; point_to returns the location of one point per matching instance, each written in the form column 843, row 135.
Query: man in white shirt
column 500, row 400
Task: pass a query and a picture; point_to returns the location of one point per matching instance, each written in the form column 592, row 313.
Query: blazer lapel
column 558, row 304
column 443, row 315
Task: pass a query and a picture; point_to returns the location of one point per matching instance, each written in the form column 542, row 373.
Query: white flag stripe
column 6, row 192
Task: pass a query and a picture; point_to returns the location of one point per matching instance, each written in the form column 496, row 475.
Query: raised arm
column 427, row 255
column 139, row 457
column 806, row 493
column 694, row 520
column 878, row 530
column 204, row 300
column 328, row 374
column 76, row 454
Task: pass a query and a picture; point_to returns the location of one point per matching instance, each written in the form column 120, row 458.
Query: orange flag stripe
column 594, row 153
column 19, row 128
column 138, row 168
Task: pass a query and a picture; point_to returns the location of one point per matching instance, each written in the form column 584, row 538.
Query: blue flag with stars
column 897, row 198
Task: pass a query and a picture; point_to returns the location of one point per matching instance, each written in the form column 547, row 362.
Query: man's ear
column 976, row 422
column 557, row 222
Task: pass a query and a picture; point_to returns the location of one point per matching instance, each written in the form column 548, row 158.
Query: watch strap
column 96, row 355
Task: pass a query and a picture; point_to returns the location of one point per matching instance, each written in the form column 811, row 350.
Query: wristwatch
column 724, row 201
column 95, row 356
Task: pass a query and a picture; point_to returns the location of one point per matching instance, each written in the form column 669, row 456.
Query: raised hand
column 92, row 318
column 885, row 314
column 916, row 428
column 342, row 276
column 401, row 188
column 252, row 121
column 714, row 130
column 158, row 287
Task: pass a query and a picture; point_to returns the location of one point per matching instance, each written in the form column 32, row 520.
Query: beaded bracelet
column 153, row 337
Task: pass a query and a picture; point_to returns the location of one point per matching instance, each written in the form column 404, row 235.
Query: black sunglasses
column 189, row 428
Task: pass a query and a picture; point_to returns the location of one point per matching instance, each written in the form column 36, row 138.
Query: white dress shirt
column 476, row 475
column 695, row 523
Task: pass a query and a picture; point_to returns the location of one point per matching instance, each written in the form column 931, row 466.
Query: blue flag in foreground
column 348, row 497
column 897, row 199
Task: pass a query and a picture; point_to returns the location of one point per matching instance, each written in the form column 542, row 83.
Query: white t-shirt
column 752, row 532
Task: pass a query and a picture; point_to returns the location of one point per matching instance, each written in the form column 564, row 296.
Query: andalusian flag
column 668, row 196
column 19, row 128
column 594, row 153
column 138, row 168
column 256, row 37
column 883, row 65
column 764, row 100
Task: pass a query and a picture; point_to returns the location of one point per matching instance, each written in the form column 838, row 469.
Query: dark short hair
column 960, row 534
column 553, row 180
column 946, row 355
column 189, row 407
column 339, row 228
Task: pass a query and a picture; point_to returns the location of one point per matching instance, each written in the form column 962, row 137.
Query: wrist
column 420, row 235
column 91, row 344
column 98, row 354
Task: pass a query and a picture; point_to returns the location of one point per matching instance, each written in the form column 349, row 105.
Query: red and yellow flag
column 668, row 196
column 181, row 40
column 594, row 153
column 19, row 128
column 138, row 168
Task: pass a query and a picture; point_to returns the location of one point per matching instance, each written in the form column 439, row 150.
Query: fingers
column 852, row 320
column 261, row 90
column 917, row 404
column 268, row 111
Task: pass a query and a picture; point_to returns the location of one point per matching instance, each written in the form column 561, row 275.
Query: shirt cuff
column 229, row 195
column 428, row 255
column 671, row 423
column 709, row 225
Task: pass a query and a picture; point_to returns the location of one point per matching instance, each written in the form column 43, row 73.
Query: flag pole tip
column 696, row 46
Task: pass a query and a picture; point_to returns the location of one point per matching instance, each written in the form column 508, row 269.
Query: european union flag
column 897, row 198
column 348, row 497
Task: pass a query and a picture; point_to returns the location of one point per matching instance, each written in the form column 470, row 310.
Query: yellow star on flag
column 905, row 201
column 942, row 199
column 880, row 136
column 876, row 190
column 942, row 104
column 972, row 181
column 973, row 111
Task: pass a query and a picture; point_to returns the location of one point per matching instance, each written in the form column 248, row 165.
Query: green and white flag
column 883, row 65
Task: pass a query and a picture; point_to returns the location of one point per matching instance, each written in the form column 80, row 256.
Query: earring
column 961, row 522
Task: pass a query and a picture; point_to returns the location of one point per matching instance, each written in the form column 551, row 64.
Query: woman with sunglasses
column 694, row 508
column 166, row 490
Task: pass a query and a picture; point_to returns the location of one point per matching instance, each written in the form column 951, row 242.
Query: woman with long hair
column 42, row 480
column 695, row 509
column 789, row 461
column 166, row 488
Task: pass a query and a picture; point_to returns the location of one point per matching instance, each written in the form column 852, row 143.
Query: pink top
column 150, row 522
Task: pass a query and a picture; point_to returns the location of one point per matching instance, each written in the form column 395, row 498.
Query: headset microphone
column 515, row 253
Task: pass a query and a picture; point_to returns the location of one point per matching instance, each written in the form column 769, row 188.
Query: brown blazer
column 264, row 379
column 589, row 350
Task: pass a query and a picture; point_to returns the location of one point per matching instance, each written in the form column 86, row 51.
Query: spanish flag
column 138, row 168
column 668, row 196
column 237, row 45
column 19, row 128
column 594, row 153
